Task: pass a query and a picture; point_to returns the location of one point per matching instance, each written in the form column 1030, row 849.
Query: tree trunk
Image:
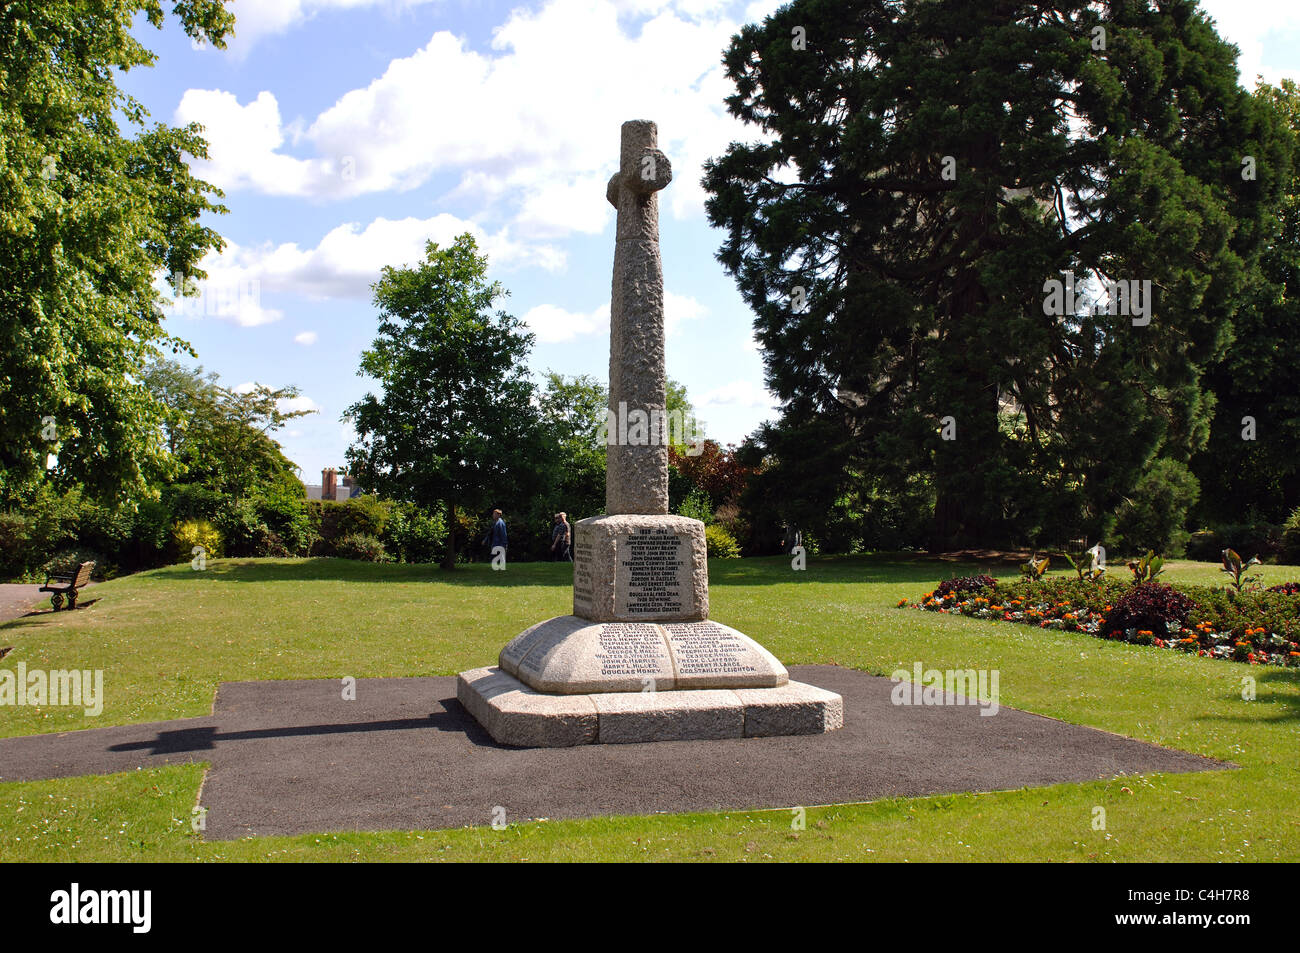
column 449, row 558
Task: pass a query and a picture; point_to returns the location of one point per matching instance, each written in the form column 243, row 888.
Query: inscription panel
column 632, row 650
column 582, row 582
column 653, row 576
column 707, row 649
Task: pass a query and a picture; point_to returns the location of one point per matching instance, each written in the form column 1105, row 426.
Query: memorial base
column 569, row 655
column 514, row 714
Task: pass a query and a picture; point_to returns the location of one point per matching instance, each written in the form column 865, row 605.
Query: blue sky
column 346, row 132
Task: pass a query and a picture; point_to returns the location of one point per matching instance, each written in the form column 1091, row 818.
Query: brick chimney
column 327, row 483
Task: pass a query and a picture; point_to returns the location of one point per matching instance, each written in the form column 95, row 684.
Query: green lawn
column 165, row 639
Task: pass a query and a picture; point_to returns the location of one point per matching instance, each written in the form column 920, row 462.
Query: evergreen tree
column 1251, row 469
column 925, row 168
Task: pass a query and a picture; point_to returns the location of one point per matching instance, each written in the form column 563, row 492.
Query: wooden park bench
column 64, row 585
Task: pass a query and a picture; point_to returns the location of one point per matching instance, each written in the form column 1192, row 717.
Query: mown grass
column 166, row 639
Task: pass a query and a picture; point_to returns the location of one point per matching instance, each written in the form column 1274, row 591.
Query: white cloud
column 306, row 338
column 230, row 297
column 349, row 258
column 527, row 127
column 742, row 393
column 679, row 308
column 243, row 143
column 1249, row 25
column 552, row 324
column 301, row 402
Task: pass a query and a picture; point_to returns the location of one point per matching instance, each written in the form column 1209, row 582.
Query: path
column 291, row 757
column 18, row 599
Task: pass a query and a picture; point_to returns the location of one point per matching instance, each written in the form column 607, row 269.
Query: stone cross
column 636, row 479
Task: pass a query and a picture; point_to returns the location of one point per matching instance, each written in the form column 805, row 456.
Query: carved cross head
column 643, row 169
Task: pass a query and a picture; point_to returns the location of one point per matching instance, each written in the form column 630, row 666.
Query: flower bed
column 1260, row 627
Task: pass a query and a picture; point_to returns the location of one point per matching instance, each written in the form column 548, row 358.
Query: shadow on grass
column 323, row 569
column 1271, row 695
column 904, row 568
column 907, row 568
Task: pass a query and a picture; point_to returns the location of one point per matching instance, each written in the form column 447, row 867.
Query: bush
column 282, row 507
column 361, row 546
column 731, row 518
column 69, row 560
column 190, row 533
column 1290, row 549
column 697, row 506
column 965, row 584
column 720, row 543
column 15, row 544
column 241, row 528
column 1153, row 516
column 1289, row 588
column 43, row 525
column 1150, row 606
column 359, row 516
column 415, row 535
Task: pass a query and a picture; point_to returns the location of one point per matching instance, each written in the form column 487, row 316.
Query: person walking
column 496, row 534
column 561, row 539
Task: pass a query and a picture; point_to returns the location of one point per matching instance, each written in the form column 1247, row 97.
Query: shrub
column 188, row 501
column 361, row 546
column 15, row 542
column 697, row 506
column 359, row 516
column 415, row 535
column 721, row 544
column 731, row 518
column 1289, row 588
column 1290, row 548
column 190, row 533
column 241, row 528
column 282, row 507
column 965, row 584
column 1150, row 606
column 69, row 559
column 1153, row 515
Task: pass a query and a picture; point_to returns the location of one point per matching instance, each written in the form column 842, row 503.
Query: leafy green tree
column 573, row 410
column 1250, row 469
column 221, row 438
column 924, row 170
column 90, row 216
column 456, row 422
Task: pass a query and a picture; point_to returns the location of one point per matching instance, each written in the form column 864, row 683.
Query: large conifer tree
column 923, row 168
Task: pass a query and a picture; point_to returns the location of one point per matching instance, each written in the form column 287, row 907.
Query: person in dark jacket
column 561, row 539
column 496, row 535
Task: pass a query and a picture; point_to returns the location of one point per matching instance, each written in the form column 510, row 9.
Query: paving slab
column 290, row 757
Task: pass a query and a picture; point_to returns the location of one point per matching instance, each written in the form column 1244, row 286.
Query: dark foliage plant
column 965, row 584
column 1150, row 606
